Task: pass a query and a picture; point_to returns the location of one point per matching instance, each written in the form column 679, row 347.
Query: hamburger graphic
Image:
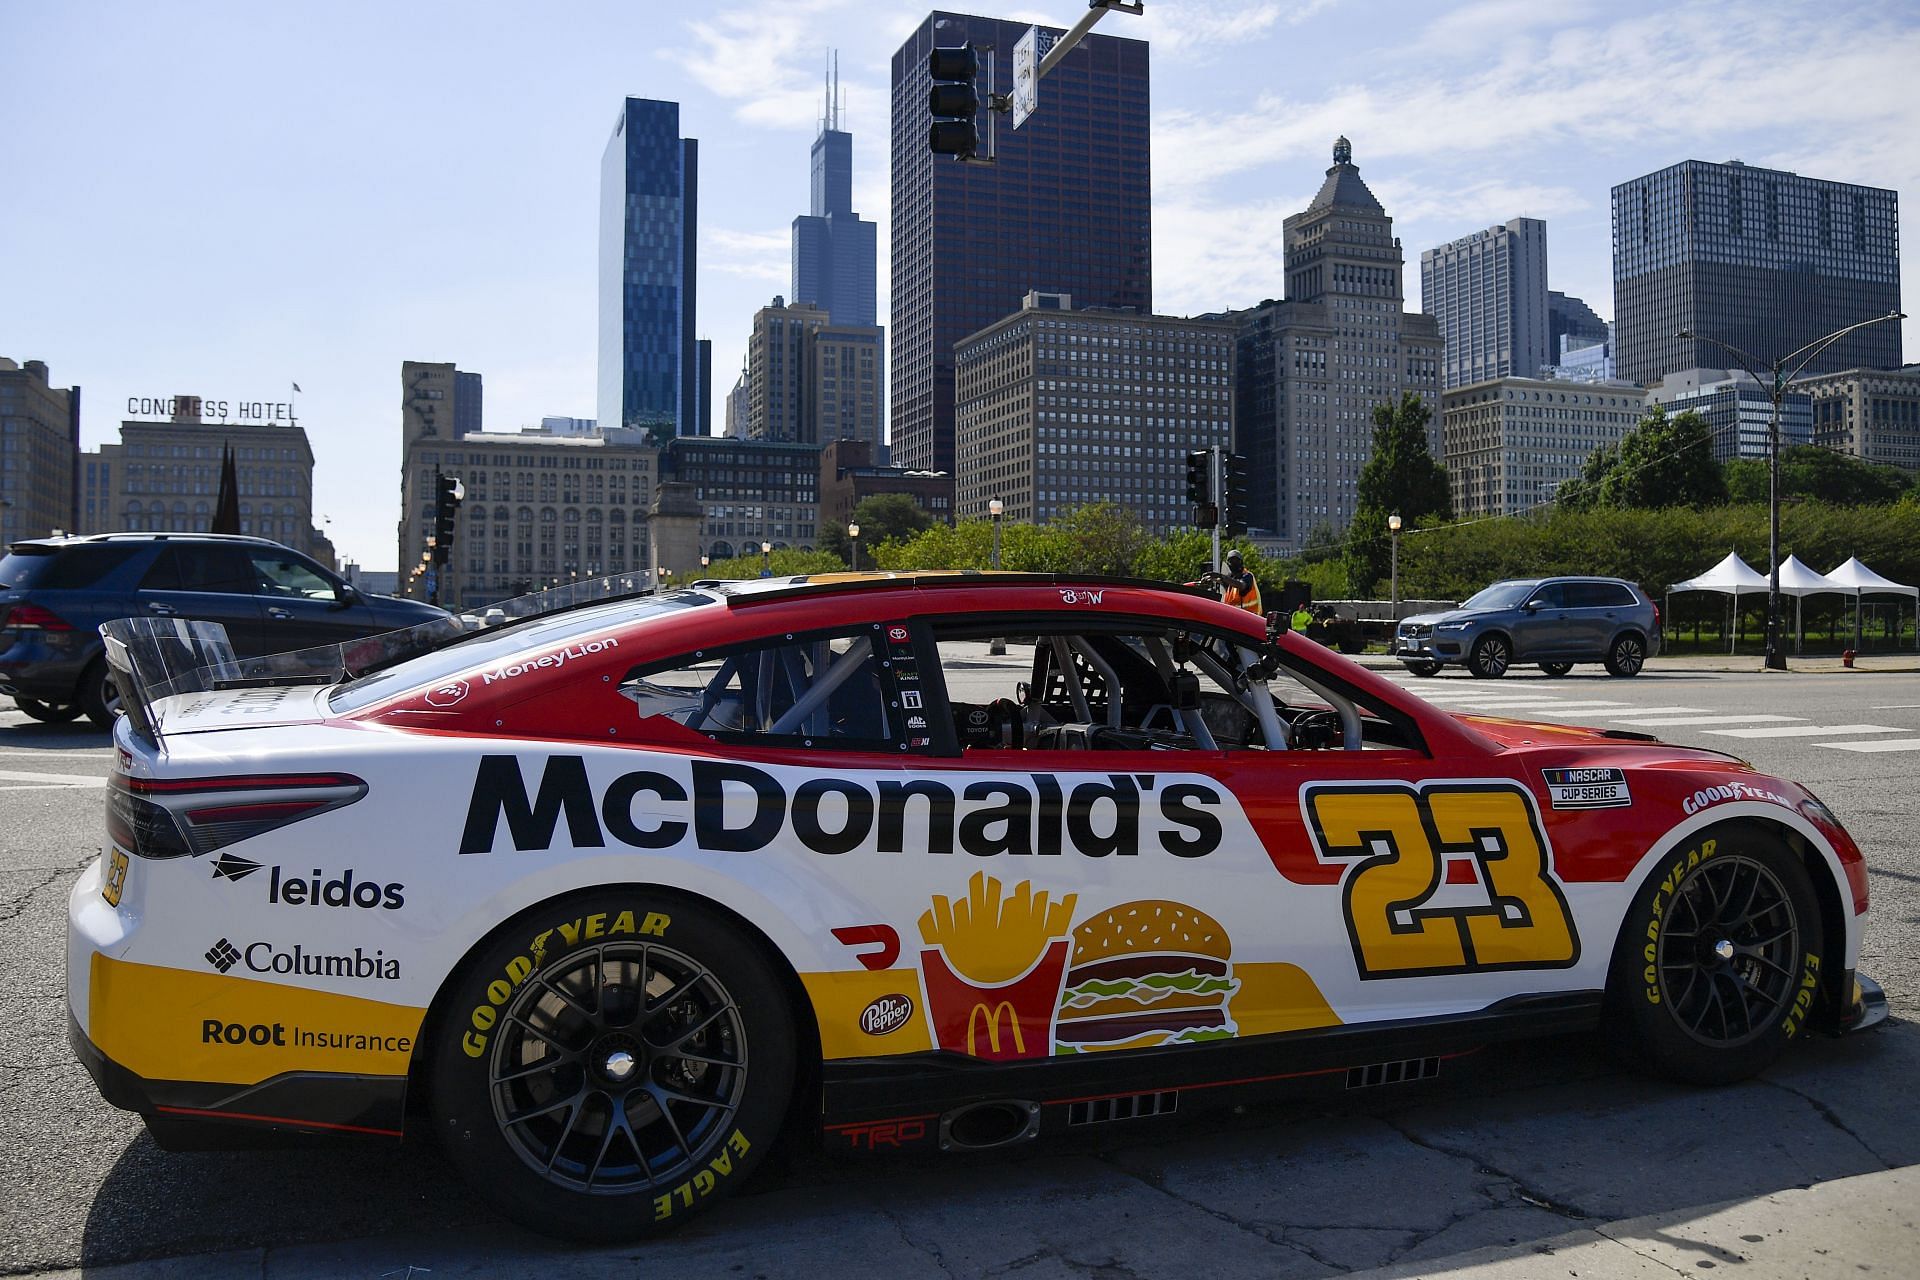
column 1143, row 975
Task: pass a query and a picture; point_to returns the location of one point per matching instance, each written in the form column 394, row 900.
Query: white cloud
column 757, row 58
column 1211, row 257
column 1201, row 29
column 754, row 255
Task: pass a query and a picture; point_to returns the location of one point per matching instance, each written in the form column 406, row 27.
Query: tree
column 884, row 517
column 1662, row 462
column 1400, row 476
column 1820, row 475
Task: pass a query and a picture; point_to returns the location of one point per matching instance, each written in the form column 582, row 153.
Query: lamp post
column 704, row 562
column 996, row 509
column 1393, row 533
column 853, row 537
column 1776, row 383
column 766, row 559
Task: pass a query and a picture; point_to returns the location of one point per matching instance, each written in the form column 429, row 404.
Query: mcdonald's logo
column 992, row 1018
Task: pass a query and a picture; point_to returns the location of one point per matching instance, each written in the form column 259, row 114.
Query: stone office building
column 1873, row 414
column 1510, row 442
column 39, row 446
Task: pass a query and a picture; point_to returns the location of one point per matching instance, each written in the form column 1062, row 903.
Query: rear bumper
column 45, row 666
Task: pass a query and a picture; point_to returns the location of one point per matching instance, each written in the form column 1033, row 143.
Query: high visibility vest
column 1247, row 597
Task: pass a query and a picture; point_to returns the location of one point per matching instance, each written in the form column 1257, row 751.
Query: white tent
column 1857, row 578
column 1798, row 581
column 1731, row 577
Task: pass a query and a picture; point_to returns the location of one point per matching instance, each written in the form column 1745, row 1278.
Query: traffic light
column 1200, row 488
column 953, row 102
column 1235, row 498
column 447, row 494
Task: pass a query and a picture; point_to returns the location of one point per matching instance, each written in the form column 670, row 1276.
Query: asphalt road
column 1522, row 1145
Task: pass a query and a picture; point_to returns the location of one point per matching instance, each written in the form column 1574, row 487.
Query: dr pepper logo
column 885, row 1014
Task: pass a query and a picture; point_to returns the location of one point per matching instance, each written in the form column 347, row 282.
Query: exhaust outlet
column 981, row 1126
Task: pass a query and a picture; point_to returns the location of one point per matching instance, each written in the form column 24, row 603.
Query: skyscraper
column 649, row 205
column 833, row 248
column 1064, row 209
column 1489, row 293
column 1764, row 260
column 1312, row 368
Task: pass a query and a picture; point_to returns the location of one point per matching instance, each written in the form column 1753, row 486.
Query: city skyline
column 181, row 246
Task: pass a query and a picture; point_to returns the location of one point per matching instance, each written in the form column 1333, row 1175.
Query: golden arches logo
column 991, row 1016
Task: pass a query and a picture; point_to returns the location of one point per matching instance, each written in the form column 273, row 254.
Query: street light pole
column 996, row 508
column 1776, row 383
column 1393, row 532
column 853, row 537
column 766, row 559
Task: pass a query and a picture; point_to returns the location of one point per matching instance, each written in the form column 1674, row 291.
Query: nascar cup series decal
column 1593, row 788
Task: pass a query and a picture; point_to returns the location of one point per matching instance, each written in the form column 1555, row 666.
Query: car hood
column 1524, row 734
column 1451, row 615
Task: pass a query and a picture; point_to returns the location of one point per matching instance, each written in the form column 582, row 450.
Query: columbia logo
column 223, row 955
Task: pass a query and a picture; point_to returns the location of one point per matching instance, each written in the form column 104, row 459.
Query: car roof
column 766, row 590
column 84, row 539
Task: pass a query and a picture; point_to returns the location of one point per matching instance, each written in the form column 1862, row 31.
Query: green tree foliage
column 1401, row 476
column 1808, row 472
column 884, row 517
column 785, row 563
column 1662, row 462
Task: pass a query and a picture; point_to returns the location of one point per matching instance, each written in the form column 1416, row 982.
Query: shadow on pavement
column 1522, row 1143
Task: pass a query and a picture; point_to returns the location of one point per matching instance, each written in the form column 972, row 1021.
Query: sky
column 227, row 199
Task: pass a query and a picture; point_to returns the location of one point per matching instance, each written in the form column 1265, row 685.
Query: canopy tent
column 1857, row 578
column 1731, row 577
column 1798, row 581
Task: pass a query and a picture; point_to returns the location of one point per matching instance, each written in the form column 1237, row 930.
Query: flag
column 226, row 507
column 296, row 386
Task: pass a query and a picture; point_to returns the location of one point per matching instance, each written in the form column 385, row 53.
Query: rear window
column 63, row 568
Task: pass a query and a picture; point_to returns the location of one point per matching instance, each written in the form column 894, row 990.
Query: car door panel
column 300, row 608
column 207, row 581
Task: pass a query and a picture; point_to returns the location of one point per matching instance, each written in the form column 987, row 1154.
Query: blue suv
column 55, row 593
column 1554, row 622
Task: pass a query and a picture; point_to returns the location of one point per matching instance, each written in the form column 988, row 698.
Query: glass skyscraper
column 1064, row 209
column 1761, row 259
column 1489, row 293
column 649, row 183
column 833, row 247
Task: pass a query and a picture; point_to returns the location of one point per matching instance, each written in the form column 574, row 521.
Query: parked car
column 1554, row 622
column 55, row 593
column 613, row 899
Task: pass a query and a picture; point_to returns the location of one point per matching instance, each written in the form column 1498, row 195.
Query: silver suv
column 1554, row 622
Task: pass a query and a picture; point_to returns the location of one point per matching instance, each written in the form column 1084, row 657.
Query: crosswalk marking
column 50, row 779
column 1878, row 744
column 1804, row 731
column 1686, row 721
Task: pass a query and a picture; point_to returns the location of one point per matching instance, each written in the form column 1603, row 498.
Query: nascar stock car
column 613, row 896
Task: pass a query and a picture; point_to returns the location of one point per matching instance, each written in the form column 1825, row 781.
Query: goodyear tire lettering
column 1657, row 911
column 517, row 970
column 702, row 1184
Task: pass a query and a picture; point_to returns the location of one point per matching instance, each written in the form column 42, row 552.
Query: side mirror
column 1531, row 606
column 344, row 595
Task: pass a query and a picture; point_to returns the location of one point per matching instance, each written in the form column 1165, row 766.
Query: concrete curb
column 1877, row 664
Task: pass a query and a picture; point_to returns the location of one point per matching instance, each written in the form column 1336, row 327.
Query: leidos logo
column 341, row 891
column 262, row 957
column 736, row 808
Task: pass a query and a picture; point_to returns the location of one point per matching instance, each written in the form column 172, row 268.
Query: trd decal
column 1398, row 838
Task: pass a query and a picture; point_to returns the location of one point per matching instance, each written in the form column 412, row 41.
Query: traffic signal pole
column 1217, row 469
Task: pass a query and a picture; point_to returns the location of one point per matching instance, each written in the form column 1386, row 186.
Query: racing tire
column 1556, row 668
column 1719, row 960
column 1424, row 669
column 1491, row 656
column 611, row 1064
column 1626, row 655
column 47, row 712
column 99, row 699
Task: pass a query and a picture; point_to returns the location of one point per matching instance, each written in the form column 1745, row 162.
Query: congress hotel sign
column 169, row 408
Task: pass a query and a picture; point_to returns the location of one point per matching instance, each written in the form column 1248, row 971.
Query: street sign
column 1026, row 75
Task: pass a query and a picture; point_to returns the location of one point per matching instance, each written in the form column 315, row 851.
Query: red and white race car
column 614, row 896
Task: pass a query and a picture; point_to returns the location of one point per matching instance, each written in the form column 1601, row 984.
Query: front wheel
column 47, row 712
column 1556, row 668
column 1627, row 655
column 1491, row 657
column 612, row 1064
column 1719, row 960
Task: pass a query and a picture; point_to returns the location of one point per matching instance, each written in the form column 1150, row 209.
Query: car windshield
column 1501, row 595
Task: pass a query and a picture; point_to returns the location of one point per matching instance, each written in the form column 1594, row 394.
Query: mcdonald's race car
column 614, row 896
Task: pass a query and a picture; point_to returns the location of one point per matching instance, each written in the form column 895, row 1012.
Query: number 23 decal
column 1399, row 838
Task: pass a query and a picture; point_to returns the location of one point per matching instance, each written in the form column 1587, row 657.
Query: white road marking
column 105, row 753
column 1685, row 721
column 1805, row 731
column 1878, row 744
column 51, row 779
column 1667, row 711
column 1898, row 706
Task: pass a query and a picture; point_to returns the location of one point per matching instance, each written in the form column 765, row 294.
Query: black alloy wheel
column 1627, row 655
column 1556, row 668
column 1491, row 657
column 47, row 712
column 1720, row 958
column 612, row 1086
column 615, row 1066
column 99, row 696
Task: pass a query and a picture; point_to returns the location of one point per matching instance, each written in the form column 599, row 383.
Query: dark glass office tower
column 1761, row 259
column 1064, row 210
column 833, row 247
column 468, row 395
column 649, row 183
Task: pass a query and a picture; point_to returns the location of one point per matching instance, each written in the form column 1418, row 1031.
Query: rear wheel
column 99, row 696
column 1424, row 668
column 47, row 712
column 1719, row 960
column 1627, row 655
column 1491, row 657
column 1556, row 668
column 613, row 1065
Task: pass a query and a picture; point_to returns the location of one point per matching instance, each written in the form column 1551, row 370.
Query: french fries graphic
column 992, row 939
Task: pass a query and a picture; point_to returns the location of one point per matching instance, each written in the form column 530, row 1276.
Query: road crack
column 1538, row 1199
column 1828, row 1114
column 1284, row 1239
